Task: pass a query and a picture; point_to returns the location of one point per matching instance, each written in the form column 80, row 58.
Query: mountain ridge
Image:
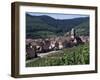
column 51, row 25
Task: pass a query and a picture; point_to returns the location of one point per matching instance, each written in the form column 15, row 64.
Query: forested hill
column 46, row 26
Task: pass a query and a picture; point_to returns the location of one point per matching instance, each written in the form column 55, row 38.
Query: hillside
column 82, row 29
column 70, row 56
column 46, row 26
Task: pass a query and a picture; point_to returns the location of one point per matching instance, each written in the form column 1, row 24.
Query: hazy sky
column 58, row 16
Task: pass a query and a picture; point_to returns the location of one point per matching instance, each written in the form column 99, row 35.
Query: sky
column 57, row 15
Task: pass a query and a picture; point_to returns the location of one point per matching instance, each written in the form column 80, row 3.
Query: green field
column 69, row 56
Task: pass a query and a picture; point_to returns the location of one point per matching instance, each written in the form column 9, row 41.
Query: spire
column 73, row 34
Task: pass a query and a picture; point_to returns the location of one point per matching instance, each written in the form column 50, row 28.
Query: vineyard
column 69, row 56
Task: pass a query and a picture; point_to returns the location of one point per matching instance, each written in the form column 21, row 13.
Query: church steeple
column 73, row 34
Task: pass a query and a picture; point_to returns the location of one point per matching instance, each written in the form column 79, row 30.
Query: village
column 39, row 46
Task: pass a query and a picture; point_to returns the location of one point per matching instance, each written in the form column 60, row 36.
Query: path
column 45, row 54
column 40, row 55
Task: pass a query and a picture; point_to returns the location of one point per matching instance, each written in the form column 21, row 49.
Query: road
column 41, row 55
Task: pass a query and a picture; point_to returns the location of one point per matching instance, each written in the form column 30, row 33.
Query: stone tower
column 73, row 34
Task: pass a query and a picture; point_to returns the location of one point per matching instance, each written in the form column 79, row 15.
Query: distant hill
column 46, row 26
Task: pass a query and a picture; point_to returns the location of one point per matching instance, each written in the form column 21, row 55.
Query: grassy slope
column 70, row 56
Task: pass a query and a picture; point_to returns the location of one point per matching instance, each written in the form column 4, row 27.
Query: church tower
column 73, row 34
